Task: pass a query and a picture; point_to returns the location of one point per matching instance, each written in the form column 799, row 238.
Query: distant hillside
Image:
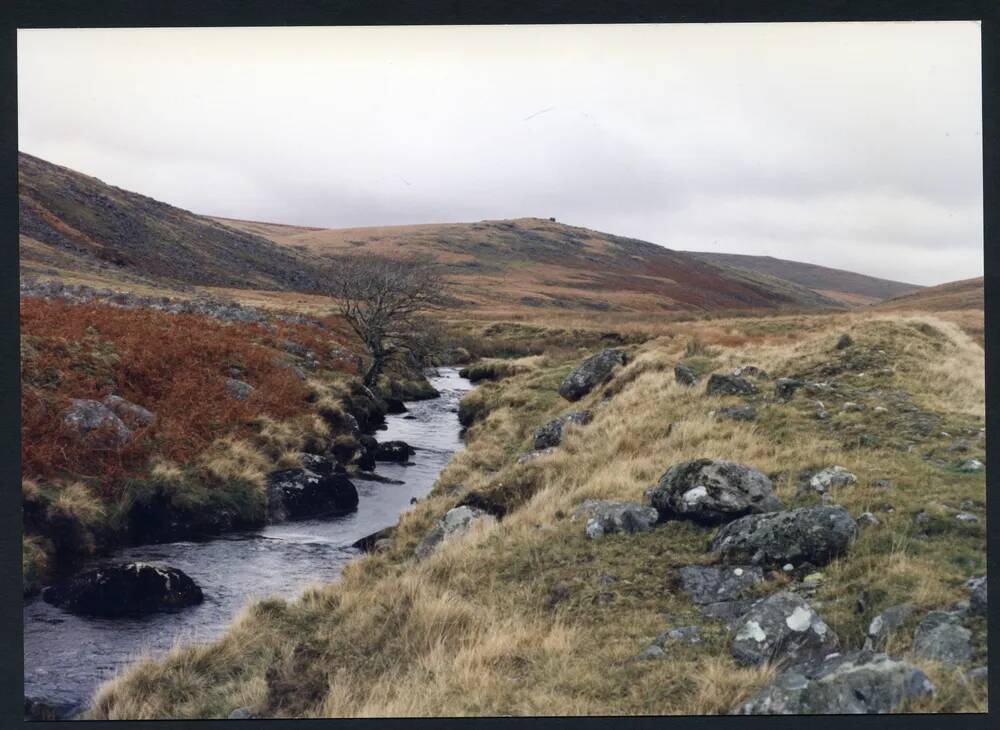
column 537, row 262
column 965, row 294
column 76, row 225
column 844, row 286
column 74, row 222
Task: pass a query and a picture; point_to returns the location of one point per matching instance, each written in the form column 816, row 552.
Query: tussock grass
column 528, row 616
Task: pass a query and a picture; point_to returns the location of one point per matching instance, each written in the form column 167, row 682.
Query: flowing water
column 66, row 657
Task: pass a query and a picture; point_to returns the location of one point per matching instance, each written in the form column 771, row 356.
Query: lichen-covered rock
column 456, row 521
column 890, row 620
column 94, row 423
column 592, row 372
column 238, row 389
column 124, row 590
column 784, row 388
column 811, row 534
column 680, row 635
column 858, row 682
column 782, row 628
column 750, row 371
column 605, row 517
column 971, row 466
column 132, row 414
column 294, row 494
column 866, row 520
column 711, row 491
column 713, row 583
column 977, row 596
column 729, row 612
column 941, row 637
column 684, row 375
column 722, row 384
column 737, row 413
column 830, row 478
column 551, row 433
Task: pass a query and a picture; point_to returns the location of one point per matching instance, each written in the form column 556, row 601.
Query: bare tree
column 385, row 301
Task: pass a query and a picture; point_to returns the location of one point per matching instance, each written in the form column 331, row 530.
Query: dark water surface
column 66, row 657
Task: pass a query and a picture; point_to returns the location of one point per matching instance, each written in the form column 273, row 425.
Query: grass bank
column 528, row 616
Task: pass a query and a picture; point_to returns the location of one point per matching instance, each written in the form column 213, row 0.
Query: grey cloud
column 851, row 145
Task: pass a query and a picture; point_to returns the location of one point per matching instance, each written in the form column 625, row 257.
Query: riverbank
column 526, row 613
column 67, row 656
column 143, row 424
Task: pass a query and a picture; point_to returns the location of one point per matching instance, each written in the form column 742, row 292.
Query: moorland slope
column 845, row 286
column 534, row 262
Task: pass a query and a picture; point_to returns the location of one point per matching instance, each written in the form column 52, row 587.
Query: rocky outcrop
column 605, row 517
column 395, row 406
column 238, row 389
column 784, row 388
column 813, row 535
column 367, row 408
column 722, row 384
column 95, row 424
column 707, row 584
column 737, row 413
column 942, row 638
column 685, row 376
column 977, row 595
column 551, row 433
column 225, row 311
column 782, row 628
column 858, row 682
column 592, row 372
column 827, row 479
column 750, row 371
column 456, row 521
column 134, row 416
column 970, row 466
column 397, row 451
column 662, row 643
column 320, row 464
column 484, row 502
column 887, row 623
column 711, row 491
column 124, row 590
column 294, row 494
column 366, row 453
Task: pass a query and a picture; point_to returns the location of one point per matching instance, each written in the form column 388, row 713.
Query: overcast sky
column 855, row 145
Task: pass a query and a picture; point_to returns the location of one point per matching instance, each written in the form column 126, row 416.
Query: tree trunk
column 374, row 371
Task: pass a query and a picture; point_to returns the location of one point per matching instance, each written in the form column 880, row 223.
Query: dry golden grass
column 527, row 616
column 234, row 460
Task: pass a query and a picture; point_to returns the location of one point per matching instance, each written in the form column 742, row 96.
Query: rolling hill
column 73, row 224
column 965, row 294
column 844, row 286
column 537, row 262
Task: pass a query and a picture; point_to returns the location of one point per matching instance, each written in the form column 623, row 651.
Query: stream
column 66, row 657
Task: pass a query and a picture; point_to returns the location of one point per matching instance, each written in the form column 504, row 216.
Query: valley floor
column 529, row 616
